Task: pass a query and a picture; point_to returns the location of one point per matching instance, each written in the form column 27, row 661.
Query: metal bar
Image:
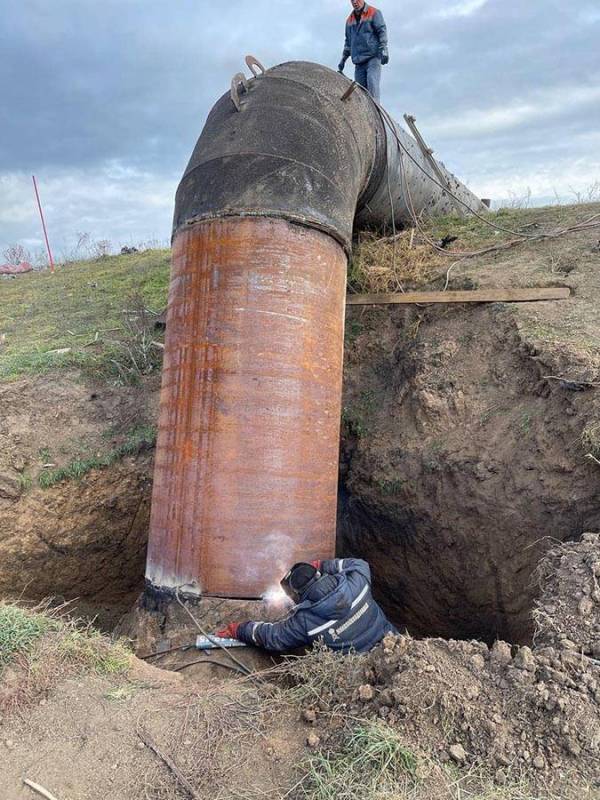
column 39, row 203
column 475, row 296
column 428, row 155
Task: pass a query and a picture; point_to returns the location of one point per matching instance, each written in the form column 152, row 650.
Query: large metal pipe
column 247, row 455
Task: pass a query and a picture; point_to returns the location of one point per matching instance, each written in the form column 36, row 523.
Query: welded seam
column 304, row 222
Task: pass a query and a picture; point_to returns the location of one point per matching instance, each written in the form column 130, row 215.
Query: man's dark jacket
column 367, row 37
column 337, row 609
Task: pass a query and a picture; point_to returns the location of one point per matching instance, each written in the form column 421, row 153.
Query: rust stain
column 247, row 457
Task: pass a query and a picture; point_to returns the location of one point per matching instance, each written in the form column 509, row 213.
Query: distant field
column 80, row 307
column 81, row 302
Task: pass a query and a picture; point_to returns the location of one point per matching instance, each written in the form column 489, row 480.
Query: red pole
column 37, row 194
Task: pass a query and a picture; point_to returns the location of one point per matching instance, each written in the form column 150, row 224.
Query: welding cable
column 209, row 661
column 210, row 638
column 389, row 122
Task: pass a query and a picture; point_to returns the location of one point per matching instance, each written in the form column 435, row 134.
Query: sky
column 103, row 101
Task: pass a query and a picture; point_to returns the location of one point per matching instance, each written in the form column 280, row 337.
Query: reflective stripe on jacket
column 367, row 38
column 339, row 609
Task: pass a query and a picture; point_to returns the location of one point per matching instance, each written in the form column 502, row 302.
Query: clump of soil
column 567, row 615
column 510, row 711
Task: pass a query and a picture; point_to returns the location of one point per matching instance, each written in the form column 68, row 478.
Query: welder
column 332, row 604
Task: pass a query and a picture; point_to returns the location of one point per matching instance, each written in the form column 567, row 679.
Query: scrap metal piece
column 349, row 91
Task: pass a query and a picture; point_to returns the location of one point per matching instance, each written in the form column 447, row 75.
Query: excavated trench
column 460, row 466
column 459, row 462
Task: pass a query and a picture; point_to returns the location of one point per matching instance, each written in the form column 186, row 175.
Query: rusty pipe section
column 247, row 453
column 246, row 467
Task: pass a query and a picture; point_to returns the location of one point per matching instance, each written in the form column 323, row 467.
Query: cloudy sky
column 104, row 99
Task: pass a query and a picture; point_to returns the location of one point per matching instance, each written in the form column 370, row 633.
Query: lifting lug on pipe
column 238, row 80
column 252, row 62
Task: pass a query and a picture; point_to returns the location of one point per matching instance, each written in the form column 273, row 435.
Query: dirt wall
column 80, row 537
column 460, row 465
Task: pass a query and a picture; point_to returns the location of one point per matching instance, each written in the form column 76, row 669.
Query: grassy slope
column 42, row 648
column 568, row 330
column 41, row 312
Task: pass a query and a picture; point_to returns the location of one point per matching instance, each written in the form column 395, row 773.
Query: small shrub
column 372, row 763
column 19, row 630
column 135, row 353
column 101, row 249
column 16, row 254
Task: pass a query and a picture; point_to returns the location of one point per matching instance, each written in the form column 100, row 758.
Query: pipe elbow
column 294, row 150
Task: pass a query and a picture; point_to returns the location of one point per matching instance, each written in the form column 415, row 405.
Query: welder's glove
column 341, row 65
column 385, row 56
column 316, row 564
column 230, row 632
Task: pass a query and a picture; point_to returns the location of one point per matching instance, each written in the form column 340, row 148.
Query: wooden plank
column 474, row 296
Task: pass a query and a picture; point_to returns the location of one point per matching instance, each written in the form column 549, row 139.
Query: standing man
column 366, row 42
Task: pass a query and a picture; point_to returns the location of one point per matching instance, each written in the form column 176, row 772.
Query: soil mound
column 515, row 712
column 567, row 615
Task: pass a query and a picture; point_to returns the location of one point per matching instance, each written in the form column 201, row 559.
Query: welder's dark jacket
column 365, row 39
column 337, row 609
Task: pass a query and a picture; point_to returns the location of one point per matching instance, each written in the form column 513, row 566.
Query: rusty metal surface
column 247, row 456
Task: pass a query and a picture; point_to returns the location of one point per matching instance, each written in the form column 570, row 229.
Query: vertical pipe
column 247, row 457
column 37, row 194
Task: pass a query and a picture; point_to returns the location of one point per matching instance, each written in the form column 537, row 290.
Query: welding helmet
column 299, row 580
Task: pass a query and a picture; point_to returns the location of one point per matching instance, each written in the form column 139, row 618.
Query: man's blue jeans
column 369, row 76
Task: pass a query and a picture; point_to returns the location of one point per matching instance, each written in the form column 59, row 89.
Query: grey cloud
column 86, row 85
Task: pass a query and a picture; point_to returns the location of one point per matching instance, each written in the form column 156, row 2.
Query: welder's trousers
column 368, row 75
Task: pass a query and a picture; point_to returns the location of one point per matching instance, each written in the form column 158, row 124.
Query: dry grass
column 591, row 439
column 219, row 742
column 391, row 264
column 41, row 647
